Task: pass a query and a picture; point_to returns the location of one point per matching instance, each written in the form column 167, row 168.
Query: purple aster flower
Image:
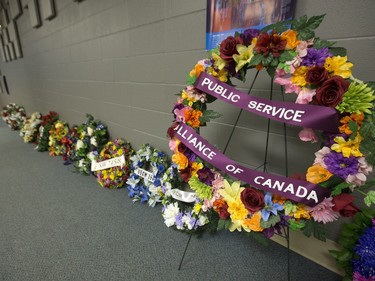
column 316, row 57
column 341, row 166
column 248, row 35
column 179, row 222
column 206, row 176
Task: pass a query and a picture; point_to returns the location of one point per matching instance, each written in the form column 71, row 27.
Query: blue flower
column 157, row 182
column 161, row 168
column 270, row 207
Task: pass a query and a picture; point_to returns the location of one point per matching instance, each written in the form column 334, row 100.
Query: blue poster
column 225, row 17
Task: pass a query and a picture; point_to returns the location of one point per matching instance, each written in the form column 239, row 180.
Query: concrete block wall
column 123, row 61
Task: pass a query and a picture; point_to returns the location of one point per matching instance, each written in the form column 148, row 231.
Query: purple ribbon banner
column 297, row 190
column 302, row 115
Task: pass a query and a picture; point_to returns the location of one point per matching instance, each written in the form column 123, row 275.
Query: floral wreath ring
column 148, row 175
column 319, row 74
column 14, row 116
column 114, row 177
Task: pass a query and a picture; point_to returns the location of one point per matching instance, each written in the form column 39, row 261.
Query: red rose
column 228, row 48
column 223, row 212
column 331, row 91
column 253, row 199
column 344, row 204
column 316, row 75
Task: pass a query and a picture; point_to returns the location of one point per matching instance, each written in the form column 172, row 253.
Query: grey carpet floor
column 59, row 225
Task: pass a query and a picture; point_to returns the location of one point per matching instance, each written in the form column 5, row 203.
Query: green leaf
column 272, row 221
column 208, row 115
column 279, row 27
column 371, row 84
column 305, row 27
column 256, row 59
column 339, row 188
column 338, row 51
column 271, row 71
column 190, row 80
column 353, row 126
column 316, row 229
column 287, row 56
column 294, row 225
column 223, row 224
column 345, row 255
column 331, row 182
column 319, row 43
column 259, row 237
column 267, row 60
column 370, row 198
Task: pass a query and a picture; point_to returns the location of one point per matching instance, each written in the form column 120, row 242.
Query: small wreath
column 30, row 129
column 43, row 136
column 93, row 135
column 148, row 166
column 321, row 75
column 14, row 116
column 115, row 176
column 191, row 211
column 56, row 134
column 69, row 142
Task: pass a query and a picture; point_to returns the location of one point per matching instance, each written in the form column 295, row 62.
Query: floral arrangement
column 92, row 136
column 14, row 116
column 357, row 256
column 57, row 132
column 116, row 176
column 69, row 142
column 30, row 129
column 319, row 74
column 148, row 166
column 43, row 137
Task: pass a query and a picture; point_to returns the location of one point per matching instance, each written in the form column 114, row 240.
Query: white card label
column 145, row 174
column 106, row 164
column 183, row 196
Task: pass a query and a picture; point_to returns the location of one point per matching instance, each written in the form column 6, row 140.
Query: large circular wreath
column 140, row 187
column 14, row 116
column 319, row 74
column 116, row 176
column 30, row 129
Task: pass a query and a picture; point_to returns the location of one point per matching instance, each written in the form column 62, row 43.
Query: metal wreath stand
column 285, row 234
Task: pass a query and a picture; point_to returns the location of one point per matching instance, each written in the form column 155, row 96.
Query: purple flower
column 341, row 166
column 206, row 176
column 248, row 35
column 179, row 222
column 316, row 57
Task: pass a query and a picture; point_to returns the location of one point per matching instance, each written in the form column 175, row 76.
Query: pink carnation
column 323, row 211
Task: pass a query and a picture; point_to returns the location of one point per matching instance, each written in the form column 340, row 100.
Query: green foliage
column 223, row 224
column 202, row 190
column 272, row 221
column 367, row 131
column 353, row 126
column 305, row 27
column 278, row 27
column 338, row 51
column 190, row 80
column 317, row 229
column 208, row 115
column 319, row 43
column 358, row 98
column 370, row 198
column 287, row 56
column 255, row 60
column 296, row 225
column 338, row 189
column 348, row 238
column 259, row 237
column 331, row 182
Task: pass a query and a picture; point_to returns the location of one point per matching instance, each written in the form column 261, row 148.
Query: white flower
column 170, row 213
column 91, row 156
column 90, row 131
column 81, row 162
column 188, row 221
column 93, row 141
column 79, row 144
column 132, row 182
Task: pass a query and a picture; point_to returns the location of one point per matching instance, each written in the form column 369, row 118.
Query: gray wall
column 123, row 61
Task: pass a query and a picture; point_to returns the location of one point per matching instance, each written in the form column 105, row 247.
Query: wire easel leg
column 225, row 149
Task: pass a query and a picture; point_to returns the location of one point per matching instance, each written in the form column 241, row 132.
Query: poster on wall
column 225, row 17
